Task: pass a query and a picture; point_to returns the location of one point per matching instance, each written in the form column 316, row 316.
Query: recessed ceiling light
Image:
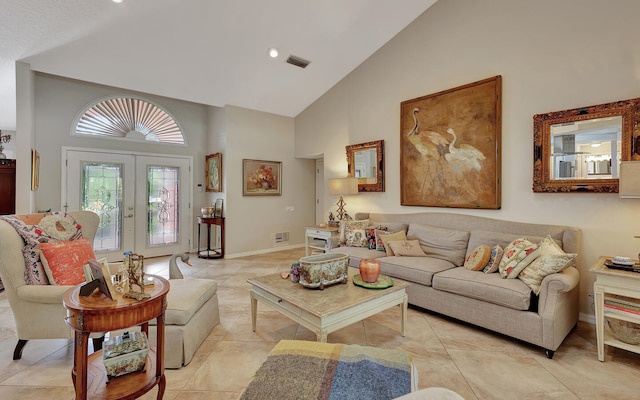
column 273, row 52
column 117, row 1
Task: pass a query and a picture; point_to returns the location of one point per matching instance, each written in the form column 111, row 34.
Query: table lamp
column 343, row 186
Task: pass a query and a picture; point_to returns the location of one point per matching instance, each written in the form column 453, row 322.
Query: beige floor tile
column 436, row 369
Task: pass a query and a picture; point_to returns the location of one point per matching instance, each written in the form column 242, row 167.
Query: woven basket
column 624, row 331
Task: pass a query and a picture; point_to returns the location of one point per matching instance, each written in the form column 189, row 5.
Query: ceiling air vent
column 298, row 61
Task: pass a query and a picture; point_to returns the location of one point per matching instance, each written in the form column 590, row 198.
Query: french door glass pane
column 162, row 208
column 102, row 194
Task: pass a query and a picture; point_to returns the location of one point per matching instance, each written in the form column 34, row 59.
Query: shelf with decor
column 617, row 304
column 320, row 239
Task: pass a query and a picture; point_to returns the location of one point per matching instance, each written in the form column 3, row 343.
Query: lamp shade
column 343, row 186
column 629, row 186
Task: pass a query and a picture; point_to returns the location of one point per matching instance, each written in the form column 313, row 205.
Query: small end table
column 209, row 252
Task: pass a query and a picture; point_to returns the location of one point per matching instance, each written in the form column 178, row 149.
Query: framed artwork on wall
column 450, row 147
column 214, row 172
column 261, row 178
column 35, row 169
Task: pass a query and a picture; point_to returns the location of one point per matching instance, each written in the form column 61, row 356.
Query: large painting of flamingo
column 450, row 147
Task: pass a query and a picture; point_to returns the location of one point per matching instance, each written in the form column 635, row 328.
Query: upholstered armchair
column 37, row 309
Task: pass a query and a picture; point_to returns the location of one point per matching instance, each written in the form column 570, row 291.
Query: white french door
column 143, row 200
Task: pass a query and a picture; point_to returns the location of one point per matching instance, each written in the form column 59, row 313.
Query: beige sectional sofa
column 440, row 283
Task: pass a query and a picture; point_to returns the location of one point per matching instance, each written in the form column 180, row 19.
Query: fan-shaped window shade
column 129, row 117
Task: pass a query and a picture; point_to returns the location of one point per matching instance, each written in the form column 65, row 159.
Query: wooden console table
column 97, row 313
column 209, row 252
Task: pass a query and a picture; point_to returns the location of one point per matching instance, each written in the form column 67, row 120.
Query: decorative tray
column 383, row 282
column 631, row 268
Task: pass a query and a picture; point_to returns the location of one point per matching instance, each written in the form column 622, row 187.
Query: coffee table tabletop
column 325, row 311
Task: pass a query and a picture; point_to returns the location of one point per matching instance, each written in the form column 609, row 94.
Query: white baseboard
column 590, row 318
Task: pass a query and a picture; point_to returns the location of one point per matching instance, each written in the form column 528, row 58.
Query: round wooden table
column 98, row 313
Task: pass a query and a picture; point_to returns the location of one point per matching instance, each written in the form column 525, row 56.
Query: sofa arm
column 554, row 286
column 50, row 294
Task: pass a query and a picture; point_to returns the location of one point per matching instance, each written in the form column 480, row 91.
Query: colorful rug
column 302, row 370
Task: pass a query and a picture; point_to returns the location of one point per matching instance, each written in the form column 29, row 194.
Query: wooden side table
column 319, row 238
column 209, row 252
column 613, row 281
column 97, row 313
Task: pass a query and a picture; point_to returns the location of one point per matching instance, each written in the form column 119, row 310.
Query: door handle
column 129, row 216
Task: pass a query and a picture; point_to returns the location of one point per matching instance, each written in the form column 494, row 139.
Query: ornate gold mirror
column 366, row 163
column 581, row 149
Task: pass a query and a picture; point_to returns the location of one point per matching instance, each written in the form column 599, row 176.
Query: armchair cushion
column 64, row 261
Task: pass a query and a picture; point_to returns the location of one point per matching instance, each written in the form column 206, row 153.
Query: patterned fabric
column 388, row 237
column 355, row 237
column 517, row 255
column 494, row 260
column 478, row 258
column 32, row 233
column 371, row 236
column 298, row 369
column 552, row 259
column 345, row 225
column 406, row 248
column 64, row 261
column 379, row 243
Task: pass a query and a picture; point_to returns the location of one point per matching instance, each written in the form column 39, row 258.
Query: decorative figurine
column 331, row 217
column 135, row 268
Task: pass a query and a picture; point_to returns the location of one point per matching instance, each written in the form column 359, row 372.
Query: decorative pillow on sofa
column 63, row 261
column 371, row 236
column 517, row 255
column 494, row 260
column 406, row 248
column 379, row 234
column 345, row 225
column 478, row 258
column 552, row 259
column 389, row 237
column 355, row 237
column 443, row 243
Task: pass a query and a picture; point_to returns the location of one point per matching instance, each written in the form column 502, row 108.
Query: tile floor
column 475, row 363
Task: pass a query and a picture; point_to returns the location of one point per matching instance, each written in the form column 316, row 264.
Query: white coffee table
column 325, row 311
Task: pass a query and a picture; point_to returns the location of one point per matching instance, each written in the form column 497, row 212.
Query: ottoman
column 191, row 314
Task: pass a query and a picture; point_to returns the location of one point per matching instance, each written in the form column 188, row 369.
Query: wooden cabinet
column 7, row 186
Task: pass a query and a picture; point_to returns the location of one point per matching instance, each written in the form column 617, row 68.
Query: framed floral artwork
column 261, row 178
column 214, row 172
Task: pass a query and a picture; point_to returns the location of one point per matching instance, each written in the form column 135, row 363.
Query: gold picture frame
column 261, row 178
column 214, row 172
column 35, row 169
column 450, row 147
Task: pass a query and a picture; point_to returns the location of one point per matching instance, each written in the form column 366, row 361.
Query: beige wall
column 552, row 55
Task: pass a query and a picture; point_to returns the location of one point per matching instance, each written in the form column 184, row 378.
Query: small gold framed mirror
column 365, row 162
column 581, row 149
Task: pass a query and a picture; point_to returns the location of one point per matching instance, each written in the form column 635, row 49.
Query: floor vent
column 298, row 61
column 282, row 237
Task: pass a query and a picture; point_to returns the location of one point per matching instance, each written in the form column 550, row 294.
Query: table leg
column 254, row 311
column 321, row 336
column 160, row 355
column 199, row 224
column 208, row 240
column 599, row 303
column 81, row 346
column 403, row 315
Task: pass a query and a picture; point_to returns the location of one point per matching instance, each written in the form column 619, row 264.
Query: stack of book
column 623, row 305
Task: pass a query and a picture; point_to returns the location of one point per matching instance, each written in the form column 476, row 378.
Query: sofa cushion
column 414, row 269
column 443, row 243
column 406, row 248
column 494, row 259
column 185, row 298
column 355, row 237
column 64, row 261
column 512, row 293
column 344, row 225
column 491, row 238
column 391, row 226
column 552, row 259
column 517, row 255
column 478, row 258
column 390, row 236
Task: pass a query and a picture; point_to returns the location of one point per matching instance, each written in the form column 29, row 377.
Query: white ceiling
column 207, row 51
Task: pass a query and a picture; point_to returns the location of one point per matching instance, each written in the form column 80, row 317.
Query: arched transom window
column 128, row 117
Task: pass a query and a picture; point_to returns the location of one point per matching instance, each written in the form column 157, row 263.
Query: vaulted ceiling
column 212, row 52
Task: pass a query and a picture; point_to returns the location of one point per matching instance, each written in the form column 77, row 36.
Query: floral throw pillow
column 406, row 248
column 517, row 255
column 371, row 236
column 494, row 260
column 478, row 258
column 64, row 261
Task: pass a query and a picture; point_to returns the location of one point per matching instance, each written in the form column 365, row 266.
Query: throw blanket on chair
column 302, row 370
column 41, row 228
